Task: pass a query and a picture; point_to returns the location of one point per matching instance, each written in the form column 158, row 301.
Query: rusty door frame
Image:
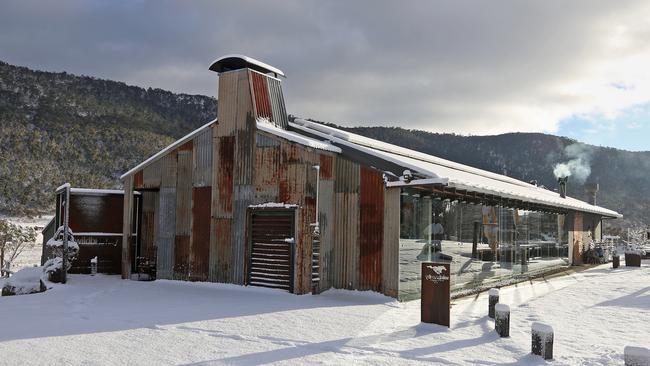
column 289, row 211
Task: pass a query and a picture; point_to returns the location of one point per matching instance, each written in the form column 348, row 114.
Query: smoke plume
column 578, row 165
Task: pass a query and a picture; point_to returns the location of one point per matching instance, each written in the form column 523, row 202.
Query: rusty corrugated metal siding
column 138, row 180
column 166, row 233
column 168, row 170
column 222, row 192
column 390, row 252
column 127, row 228
column 277, row 102
column 346, row 236
column 326, row 221
column 202, row 169
column 220, row 249
column 371, row 228
column 152, row 174
column 261, row 95
column 227, row 111
column 244, row 196
column 181, row 257
column 184, row 193
column 148, row 227
column 200, row 246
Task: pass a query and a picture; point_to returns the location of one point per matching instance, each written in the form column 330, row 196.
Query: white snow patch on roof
column 169, row 148
column 460, row 176
column 265, row 125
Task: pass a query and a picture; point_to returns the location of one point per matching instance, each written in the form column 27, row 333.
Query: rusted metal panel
column 188, row 146
column 277, row 103
column 243, row 197
column 184, row 193
column 346, row 240
column 202, row 170
column 127, row 228
column 347, row 176
column 152, row 174
column 181, row 257
column 148, row 226
column 326, row 167
column 326, row 220
column 293, row 183
column 227, row 111
column 267, row 168
column 261, row 95
column 166, row 233
column 390, row 252
column 138, row 180
column 220, row 249
column 169, row 170
column 200, row 248
column 244, row 155
column 265, row 140
column 371, row 227
column 224, row 165
column 245, row 108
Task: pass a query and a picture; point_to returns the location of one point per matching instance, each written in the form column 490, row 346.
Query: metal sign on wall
column 435, row 300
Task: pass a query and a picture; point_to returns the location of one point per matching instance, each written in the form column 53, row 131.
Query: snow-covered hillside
column 104, row 320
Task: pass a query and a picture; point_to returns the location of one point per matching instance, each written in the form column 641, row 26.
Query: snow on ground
column 104, row 320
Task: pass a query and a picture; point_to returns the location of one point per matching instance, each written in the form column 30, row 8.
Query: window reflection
column 484, row 243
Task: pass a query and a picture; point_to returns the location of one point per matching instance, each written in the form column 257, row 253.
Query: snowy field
column 104, row 320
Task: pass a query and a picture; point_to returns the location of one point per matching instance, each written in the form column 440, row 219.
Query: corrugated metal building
column 253, row 198
column 96, row 222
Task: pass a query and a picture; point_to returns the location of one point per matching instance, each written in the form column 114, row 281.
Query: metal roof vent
column 235, row 62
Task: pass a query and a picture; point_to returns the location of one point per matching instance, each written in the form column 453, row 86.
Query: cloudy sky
column 578, row 68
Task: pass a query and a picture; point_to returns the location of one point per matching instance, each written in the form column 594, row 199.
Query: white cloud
column 469, row 67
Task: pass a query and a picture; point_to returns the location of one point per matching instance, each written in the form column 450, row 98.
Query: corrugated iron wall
column 202, row 168
column 148, row 229
column 345, row 265
column 127, row 227
column 371, row 229
column 390, row 252
column 206, row 186
column 268, row 101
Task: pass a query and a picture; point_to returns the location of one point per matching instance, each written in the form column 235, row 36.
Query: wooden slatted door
column 272, row 247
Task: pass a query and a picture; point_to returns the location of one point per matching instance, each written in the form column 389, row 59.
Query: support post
column 66, row 230
column 636, row 356
column 502, row 320
column 475, row 240
column 542, row 340
column 492, row 301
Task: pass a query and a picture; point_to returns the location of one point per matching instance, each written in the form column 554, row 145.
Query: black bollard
column 542, row 340
column 502, row 320
column 492, row 301
column 636, row 356
column 616, row 261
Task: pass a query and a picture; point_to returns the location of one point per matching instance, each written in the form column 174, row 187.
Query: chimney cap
column 236, row 61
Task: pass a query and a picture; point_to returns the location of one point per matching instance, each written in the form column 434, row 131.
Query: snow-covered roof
column 237, row 61
column 89, row 191
column 268, row 127
column 169, row 148
column 459, row 176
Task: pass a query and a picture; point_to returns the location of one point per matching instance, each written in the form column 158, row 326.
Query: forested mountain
column 56, row 127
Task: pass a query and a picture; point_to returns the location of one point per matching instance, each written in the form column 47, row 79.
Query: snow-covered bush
column 54, row 265
column 13, row 240
column 26, row 281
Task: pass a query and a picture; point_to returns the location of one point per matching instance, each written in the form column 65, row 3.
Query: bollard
column 493, row 300
column 636, row 356
column 502, row 320
column 542, row 340
column 616, row 261
column 93, row 266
